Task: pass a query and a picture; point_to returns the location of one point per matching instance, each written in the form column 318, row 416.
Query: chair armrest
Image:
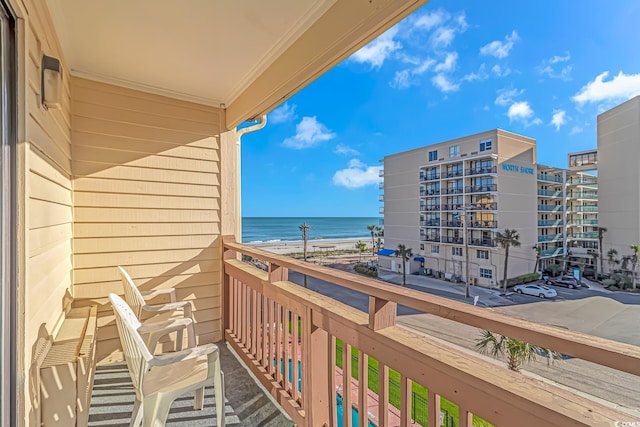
column 156, row 292
column 168, row 307
column 168, row 326
column 180, row 356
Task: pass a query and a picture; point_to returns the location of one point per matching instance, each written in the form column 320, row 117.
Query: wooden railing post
column 382, row 313
column 226, row 289
column 278, row 273
column 315, row 389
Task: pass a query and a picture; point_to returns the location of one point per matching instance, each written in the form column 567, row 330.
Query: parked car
column 536, row 291
column 567, row 281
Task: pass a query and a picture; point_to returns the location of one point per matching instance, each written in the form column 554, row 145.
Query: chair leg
column 179, row 343
column 218, row 389
column 136, row 415
column 198, row 401
column 156, row 410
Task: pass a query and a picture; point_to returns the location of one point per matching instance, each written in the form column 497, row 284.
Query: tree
column 517, row 352
column 538, row 250
column 506, row 240
column 612, row 257
column 304, row 227
column 601, row 231
column 361, row 247
column 406, row 254
column 372, row 229
column 634, row 263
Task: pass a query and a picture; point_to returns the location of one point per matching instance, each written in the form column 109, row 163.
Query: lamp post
column 467, row 280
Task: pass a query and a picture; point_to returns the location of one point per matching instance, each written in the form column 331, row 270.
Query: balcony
column 583, row 195
column 549, row 238
column 584, row 209
column 584, row 182
column 381, row 173
column 452, row 190
column 551, row 252
column 482, row 171
column 490, row 243
column 483, row 224
column 449, row 223
column 452, row 173
column 381, row 186
column 450, row 207
column 453, row 240
column 381, row 210
column 587, row 235
column 429, row 176
column 549, row 223
column 429, row 192
column 491, row 206
column 549, row 193
column 429, row 208
column 487, row 188
column 381, row 198
column 549, row 178
column 550, row 208
column 580, row 222
column 429, row 238
column 430, row 223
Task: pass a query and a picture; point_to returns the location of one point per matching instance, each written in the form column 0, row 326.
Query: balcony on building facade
column 549, row 238
column 581, row 222
column 381, row 172
column 453, row 240
column 430, row 223
column 551, row 252
column 455, row 173
column 430, row 238
column 549, row 223
column 381, row 186
column 585, row 235
column 549, row 178
column 482, row 170
column 429, row 192
column 549, row 193
column 583, row 195
column 449, row 223
column 452, row 207
column 491, row 206
column 489, row 243
column 429, row 208
column 486, row 188
column 581, row 209
column 429, row 176
column 381, row 210
column 452, row 190
column 483, row 224
column 381, row 198
column 584, row 182
column 550, row 208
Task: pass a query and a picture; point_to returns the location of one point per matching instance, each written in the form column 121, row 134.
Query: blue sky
column 544, row 69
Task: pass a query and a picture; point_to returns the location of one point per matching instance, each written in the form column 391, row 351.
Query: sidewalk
column 486, row 297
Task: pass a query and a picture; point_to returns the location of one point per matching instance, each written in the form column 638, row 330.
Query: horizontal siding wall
column 146, row 178
column 49, row 199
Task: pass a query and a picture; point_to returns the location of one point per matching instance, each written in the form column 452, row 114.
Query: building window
column 454, row 151
column 486, row 273
column 435, row 249
column 485, row 145
column 422, row 246
column 457, row 251
column 482, row 254
column 433, row 155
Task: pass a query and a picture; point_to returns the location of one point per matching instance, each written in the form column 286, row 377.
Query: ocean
column 275, row 229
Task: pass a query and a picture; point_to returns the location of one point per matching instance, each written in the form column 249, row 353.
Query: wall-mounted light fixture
column 51, row 82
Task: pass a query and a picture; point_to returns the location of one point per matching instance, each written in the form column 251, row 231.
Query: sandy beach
column 319, row 248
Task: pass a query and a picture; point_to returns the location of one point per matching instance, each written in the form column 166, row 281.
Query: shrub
column 602, row 276
column 622, row 281
column 364, row 269
column 608, row 282
column 523, row 278
column 553, row 270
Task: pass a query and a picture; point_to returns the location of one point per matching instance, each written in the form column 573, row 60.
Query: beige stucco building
column 619, row 176
column 493, row 176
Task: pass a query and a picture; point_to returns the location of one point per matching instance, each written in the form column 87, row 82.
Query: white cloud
column 309, row 132
column 405, row 78
column 500, row 49
column 376, row 52
column 449, row 63
column 576, row 130
column 505, row 96
column 282, row 114
column 556, row 58
column 357, row 175
column 522, row 112
column 346, row 150
column 443, row 83
column 619, row 88
column 431, row 20
column 558, row 119
column 479, row 76
column 499, row 71
column 549, row 68
column 443, row 36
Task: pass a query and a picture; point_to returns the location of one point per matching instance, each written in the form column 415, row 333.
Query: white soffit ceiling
column 207, row 51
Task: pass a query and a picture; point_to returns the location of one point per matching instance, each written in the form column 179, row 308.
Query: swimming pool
column 354, row 414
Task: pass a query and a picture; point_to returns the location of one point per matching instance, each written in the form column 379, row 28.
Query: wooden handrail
column 602, row 351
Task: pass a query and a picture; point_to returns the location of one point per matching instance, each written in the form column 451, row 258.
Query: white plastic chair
column 135, row 299
column 159, row 379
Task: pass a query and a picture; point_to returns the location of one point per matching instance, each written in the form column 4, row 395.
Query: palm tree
column 406, row 254
column 601, row 231
column 517, row 352
column 634, row 263
column 304, row 227
column 612, row 258
column 361, row 247
column 372, row 229
column 506, row 240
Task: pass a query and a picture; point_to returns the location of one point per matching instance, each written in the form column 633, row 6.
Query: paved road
column 585, row 310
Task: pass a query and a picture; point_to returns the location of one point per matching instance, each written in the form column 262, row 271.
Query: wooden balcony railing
column 270, row 321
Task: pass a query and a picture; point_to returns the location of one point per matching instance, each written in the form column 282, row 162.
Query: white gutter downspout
column 261, row 124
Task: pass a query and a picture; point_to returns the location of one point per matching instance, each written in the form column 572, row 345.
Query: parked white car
column 536, row 291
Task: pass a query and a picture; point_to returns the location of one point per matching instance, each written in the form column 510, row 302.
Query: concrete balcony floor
column 246, row 404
